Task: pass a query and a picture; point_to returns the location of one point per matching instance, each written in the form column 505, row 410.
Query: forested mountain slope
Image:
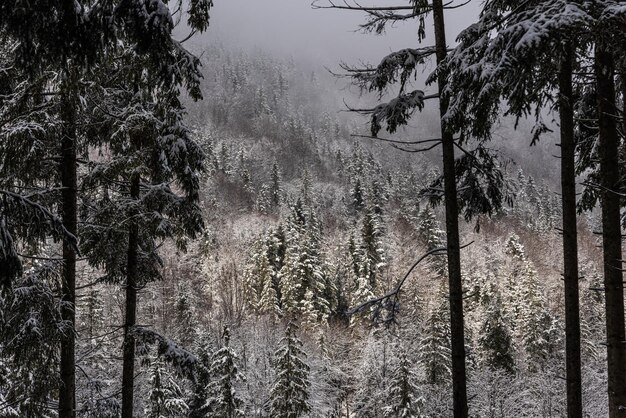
column 304, row 222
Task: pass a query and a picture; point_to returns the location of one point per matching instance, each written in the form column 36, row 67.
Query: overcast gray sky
column 293, row 28
column 325, row 37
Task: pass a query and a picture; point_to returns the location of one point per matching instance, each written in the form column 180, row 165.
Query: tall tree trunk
column 611, row 228
column 459, row 389
column 67, row 392
column 128, row 368
column 570, row 237
column 624, row 110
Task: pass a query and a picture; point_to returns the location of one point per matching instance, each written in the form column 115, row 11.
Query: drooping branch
column 394, row 113
column 396, row 67
column 389, row 301
column 428, row 144
column 394, row 141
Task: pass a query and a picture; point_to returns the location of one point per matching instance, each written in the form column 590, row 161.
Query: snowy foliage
column 223, row 400
column 290, row 393
column 166, row 396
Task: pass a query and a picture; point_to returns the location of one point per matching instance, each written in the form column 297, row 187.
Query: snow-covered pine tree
column 166, row 398
column 27, row 184
column 224, row 401
column 263, row 202
column 432, row 236
column 31, row 329
column 368, row 255
column 403, row 400
column 535, row 327
column 198, row 400
column 149, row 149
column 276, row 186
column 33, row 196
column 306, row 192
column 72, row 40
column 434, row 348
column 303, row 272
column 290, row 394
column 373, row 251
column 372, row 377
column 495, row 338
column 357, row 195
column 186, row 323
column 259, row 278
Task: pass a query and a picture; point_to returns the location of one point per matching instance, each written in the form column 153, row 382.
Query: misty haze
column 336, row 209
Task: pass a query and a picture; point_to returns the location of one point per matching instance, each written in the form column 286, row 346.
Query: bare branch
column 396, row 291
column 393, row 141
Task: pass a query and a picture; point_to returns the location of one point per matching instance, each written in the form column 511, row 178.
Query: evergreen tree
column 277, row 247
column 357, row 196
column 31, row 330
column 84, row 37
column 186, row 324
column 434, row 349
column 166, row 397
column 303, row 279
column 432, row 236
column 535, row 60
column 535, row 326
column 276, row 188
column 224, row 401
column 199, row 399
column 373, row 253
column 611, row 175
column 373, row 378
column 132, row 185
column 495, row 338
column 403, row 399
column 471, row 184
column 263, row 201
column 259, row 279
column 290, row 394
column 368, row 256
column 305, row 190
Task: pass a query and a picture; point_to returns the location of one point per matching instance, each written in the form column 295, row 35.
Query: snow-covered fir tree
column 198, row 399
column 166, row 398
column 535, row 326
column 434, row 348
column 495, row 338
column 276, row 186
column 304, row 286
column 290, row 394
column 259, row 279
column 404, row 400
column 224, row 400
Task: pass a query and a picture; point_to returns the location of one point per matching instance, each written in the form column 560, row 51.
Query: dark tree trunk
column 570, row 237
column 611, row 228
column 67, row 395
column 128, row 368
column 624, row 111
column 459, row 390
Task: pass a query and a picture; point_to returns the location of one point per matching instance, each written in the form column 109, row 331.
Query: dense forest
column 206, row 231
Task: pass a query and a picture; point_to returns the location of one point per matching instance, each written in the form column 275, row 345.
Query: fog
column 317, row 36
